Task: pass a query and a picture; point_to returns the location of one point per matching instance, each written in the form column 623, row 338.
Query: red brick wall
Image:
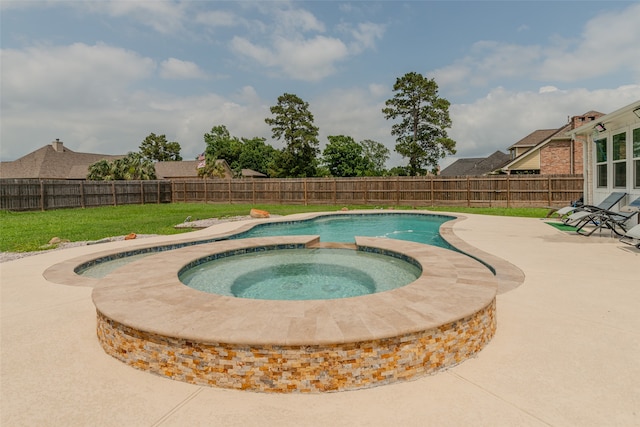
column 578, row 156
column 555, row 158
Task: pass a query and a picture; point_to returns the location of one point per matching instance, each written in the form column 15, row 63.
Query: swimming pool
column 419, row 228
column 150, row 320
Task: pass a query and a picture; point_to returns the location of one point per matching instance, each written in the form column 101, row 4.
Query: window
column 636, row 157
column 601, row 162
column 619, row 158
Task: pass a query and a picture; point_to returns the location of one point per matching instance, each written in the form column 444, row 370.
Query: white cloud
column 503, row 117
column 365, row 36
column 302, row 59
column 217, row 18
column 294, row 44
column 608, row 43
column 75, row 76
column 165, row 17
column 547, row 89
column 173, row 68
column 291, row 21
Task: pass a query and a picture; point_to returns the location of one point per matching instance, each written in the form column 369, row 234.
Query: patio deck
column 565, row 352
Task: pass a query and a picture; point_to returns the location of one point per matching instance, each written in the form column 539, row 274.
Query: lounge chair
column 613, row 220
column 582, row 213
column 608, row 203
column 632, row 237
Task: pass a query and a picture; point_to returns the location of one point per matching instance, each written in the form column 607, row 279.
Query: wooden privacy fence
column 34, row 194
column 490, row 191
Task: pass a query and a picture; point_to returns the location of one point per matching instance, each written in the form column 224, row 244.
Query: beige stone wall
column 301, row 369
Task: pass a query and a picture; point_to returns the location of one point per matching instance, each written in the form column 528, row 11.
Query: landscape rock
column 257, row 213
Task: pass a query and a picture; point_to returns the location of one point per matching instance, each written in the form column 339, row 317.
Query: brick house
column 550, row 151
column 612, row 154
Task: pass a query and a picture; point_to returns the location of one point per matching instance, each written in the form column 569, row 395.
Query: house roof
column 534, row 138
column 476, row 166
column 185, row 169
column 611, row 120
column 182, row 169
column 53, row 161
column 250, row 173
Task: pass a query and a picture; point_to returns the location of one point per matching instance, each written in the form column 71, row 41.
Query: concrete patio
column 565, row 352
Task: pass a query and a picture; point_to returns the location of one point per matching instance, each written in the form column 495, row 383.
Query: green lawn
column 30, row 231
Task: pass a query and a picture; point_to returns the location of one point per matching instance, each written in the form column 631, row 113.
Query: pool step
column 333, row 245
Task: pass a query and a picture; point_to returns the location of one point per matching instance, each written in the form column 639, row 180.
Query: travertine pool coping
column 508, row 276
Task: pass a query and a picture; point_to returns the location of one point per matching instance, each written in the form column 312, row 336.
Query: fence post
column 508, row 191
column 142, row 192
column 113, row 192
column 253, row 190
column 41, row 195
column 397, row 191
column 549, row 196
column 304, row 189
column 468, row 192
column 205, row 189
column 432, row 193
column 366, row 191
column 158, row 186
column 229, row 191
column 82, row 203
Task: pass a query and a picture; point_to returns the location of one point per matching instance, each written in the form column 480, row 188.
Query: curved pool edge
column 509, row 276
column 149, row 320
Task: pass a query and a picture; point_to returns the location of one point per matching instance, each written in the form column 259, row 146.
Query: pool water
column 101, row 269
column 417, row 228
column 343, row 228
column 301, row 274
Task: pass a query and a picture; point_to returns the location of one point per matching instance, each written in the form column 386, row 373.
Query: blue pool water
column 344, row 228
column 301, row 274
column 417, row 228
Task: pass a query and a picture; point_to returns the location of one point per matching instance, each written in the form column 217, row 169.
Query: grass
column 31, row 231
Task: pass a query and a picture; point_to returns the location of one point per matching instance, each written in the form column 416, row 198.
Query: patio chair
column 613, row 220
column 632, row 236
column 579, row 214
column 608, row 203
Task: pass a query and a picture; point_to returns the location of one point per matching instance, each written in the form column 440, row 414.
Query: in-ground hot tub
column 299, row 274
column 148, row 319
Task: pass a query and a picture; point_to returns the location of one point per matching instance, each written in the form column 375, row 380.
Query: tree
column 377, row 155
column 424, row 118
column 293, row 122
column 101, row 170
column 132, row 167
column 221, row 145
column 239, row 153
column 344, row 157
column 156, row 148
column 257, row 155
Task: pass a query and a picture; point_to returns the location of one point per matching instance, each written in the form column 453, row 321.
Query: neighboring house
column 476, row 166
column 250, row 173
column 53, row 161
column 543, row 152
column 550, row 151
column 612, row 154
column 186, row 169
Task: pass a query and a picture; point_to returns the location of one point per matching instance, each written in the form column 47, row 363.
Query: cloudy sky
column 102, row 75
